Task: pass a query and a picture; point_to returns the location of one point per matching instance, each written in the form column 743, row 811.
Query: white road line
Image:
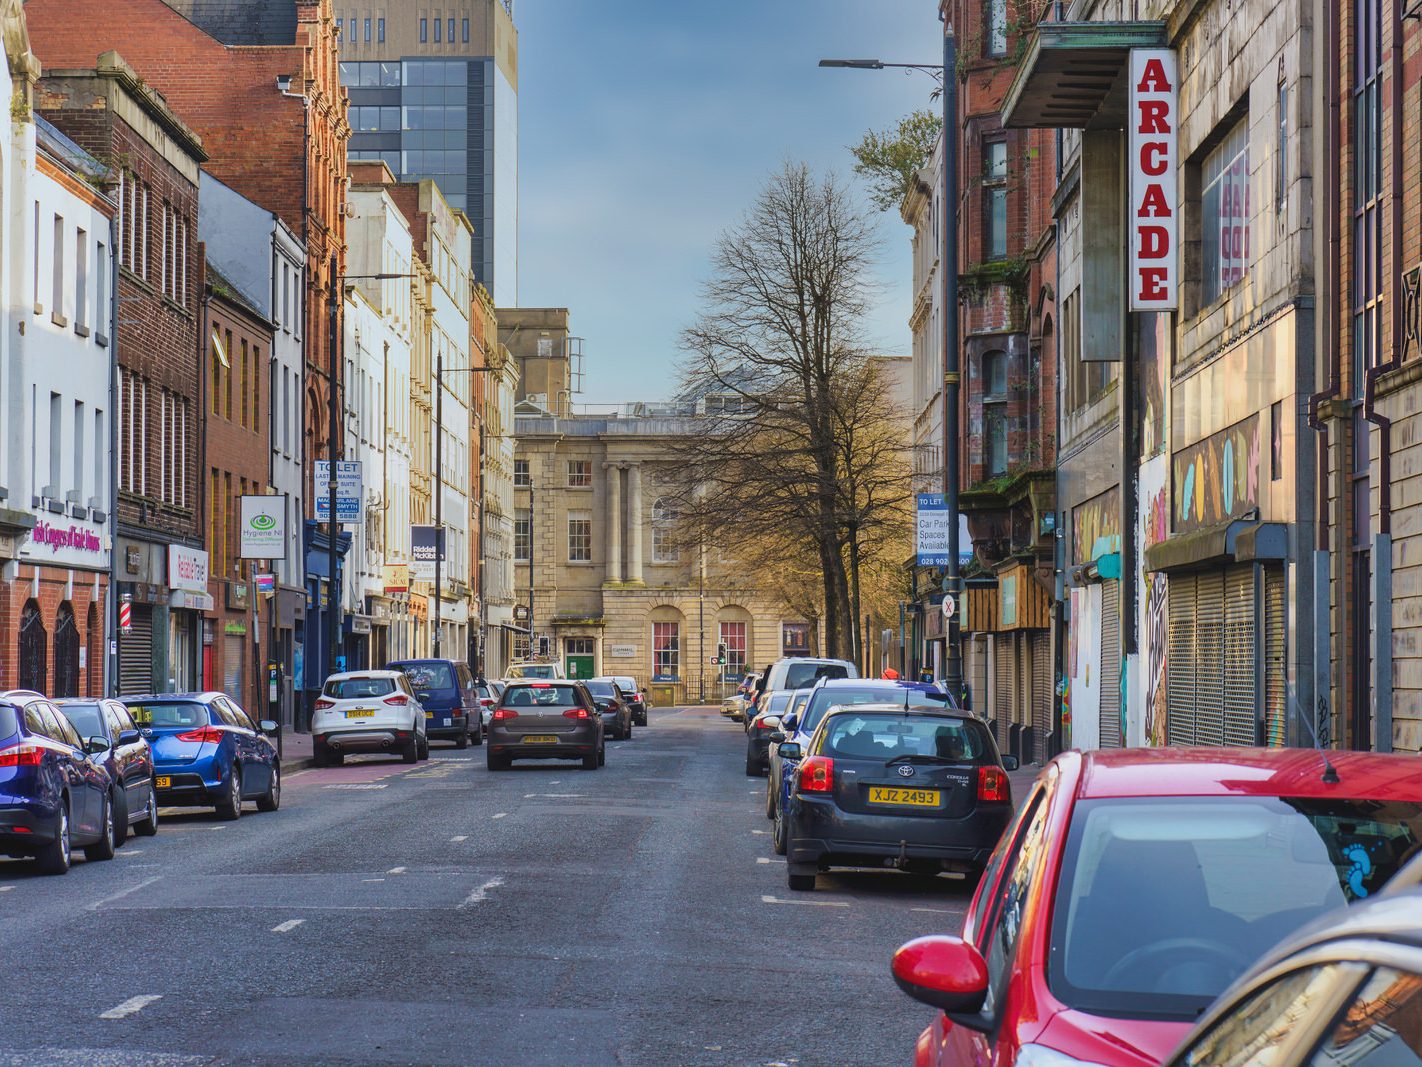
column 936, row 911
column 217, row 828
column 6, row 888
column 396, row 870
column 761, row 833
column 131, row 852
column 122, row 893
column 288, row 926
column 131, row 1006
column 499, row 815
column 372, row 879
column 768, row 899
column 481, row 892
column 553, row 796
column 767, row 859
column 458, row 838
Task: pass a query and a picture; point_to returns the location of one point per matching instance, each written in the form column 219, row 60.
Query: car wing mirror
column 129, row 737
column 268, row 726
column 788, row 749
column 771, row 722
column 97, row 745
column 790, row 722
column 1010, row 763
column 947, row 973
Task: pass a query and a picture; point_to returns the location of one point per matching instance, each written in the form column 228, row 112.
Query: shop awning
column 1072, row 74
column 1238, row 541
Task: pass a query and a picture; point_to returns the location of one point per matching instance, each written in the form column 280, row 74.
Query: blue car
column 831, row 693
column 54, row 790
column 208, row 753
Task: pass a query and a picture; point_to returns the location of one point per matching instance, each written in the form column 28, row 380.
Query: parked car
column 368, row 711
column 825, row 694
column 1135, row 885
column 734, row 707
column 128, row 760
column 534, row 669
column 546, row 720
column 612, row 703
column 447, row 691
column 208, row 753
column 54, row 790
column 488, row 694
column 636, row 698
column 879, row 785
column 1346, row 990
column 759, row 729
column 802, row 672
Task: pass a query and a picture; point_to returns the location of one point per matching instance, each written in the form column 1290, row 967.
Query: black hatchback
column 129, row 761
column 881, row 785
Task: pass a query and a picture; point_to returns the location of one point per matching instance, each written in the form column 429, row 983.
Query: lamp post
column 952, row 375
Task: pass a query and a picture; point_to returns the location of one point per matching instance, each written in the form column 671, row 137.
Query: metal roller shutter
column 1043, row 691
column 978, row 675
column 1004, row 668
column 1180, row 661
column 1209, row 657
column 1275, row 733
column 232, row 656
column 1238, row 723
column 1111, row 664
column 136, row 654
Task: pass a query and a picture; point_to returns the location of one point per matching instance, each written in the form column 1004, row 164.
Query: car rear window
column 542, row 696
column 429, row 676
column 532, row 670
column 602, row 689
column 9, row 721
column 87, row 719
column 800, row 675
column 821, row 700
column 871, row 736
column 169, row 713
column 777, row 702
column 357, row 688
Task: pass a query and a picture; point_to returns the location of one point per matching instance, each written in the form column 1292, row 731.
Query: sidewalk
column 295, row 750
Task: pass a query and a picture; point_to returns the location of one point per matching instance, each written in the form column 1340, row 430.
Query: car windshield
column 545, row 696
column 428, row 676
column 627, row 684
column 799, row 675
column 532, row 670
column 889, row 736
column 602, row 689
column 169, row 713
column 821, row 700
column 87, row 719
column 1163, row 902
column 358, row 688
column 9, row 721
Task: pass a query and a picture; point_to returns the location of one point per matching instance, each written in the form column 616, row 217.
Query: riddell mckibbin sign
column 1155, row 191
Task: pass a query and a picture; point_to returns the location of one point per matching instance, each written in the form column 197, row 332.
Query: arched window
column 664, row 546
column 66, row 653
column 34, row 643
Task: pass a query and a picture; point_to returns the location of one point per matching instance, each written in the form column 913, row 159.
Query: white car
column 536, row 669
column 368, row 711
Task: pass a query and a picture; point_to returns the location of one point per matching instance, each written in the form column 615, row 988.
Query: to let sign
column 1155, row 191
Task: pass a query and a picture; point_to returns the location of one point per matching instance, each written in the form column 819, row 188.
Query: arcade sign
column 1154, row 184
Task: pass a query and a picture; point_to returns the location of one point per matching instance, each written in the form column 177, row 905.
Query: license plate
column 163, row 781
column 429, row 715
column 913, row 798
column 539, row 739
column 360, row 713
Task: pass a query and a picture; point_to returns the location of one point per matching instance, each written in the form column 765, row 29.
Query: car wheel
column 120, row 817
column 334, row 758
column 752, row 764
column 149, row 825
column 591, row 763
column 411, row 752
column 424, row 744
column 462, row 741
column 498, row 763
column 602, row 754
column 801, row 883
column 777, row 839
column 103, row 848
column 477, row 737
column 271, row 799
column 230, row 807
column 769, row 796
column 55, row 857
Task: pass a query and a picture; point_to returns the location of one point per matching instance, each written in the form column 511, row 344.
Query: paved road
column 440, row 914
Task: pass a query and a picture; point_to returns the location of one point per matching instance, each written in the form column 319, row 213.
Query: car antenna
column 1330, row 773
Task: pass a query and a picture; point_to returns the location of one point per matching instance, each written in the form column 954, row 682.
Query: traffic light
column 721, row 652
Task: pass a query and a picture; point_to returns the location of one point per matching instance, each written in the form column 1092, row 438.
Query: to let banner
column 1153, row 165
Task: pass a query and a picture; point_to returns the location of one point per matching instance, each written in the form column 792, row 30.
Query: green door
column 579, row 666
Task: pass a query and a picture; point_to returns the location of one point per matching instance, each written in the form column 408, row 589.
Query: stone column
column 634, row 523
column 613, row 473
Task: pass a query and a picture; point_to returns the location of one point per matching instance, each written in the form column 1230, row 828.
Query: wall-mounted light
column 283, row 83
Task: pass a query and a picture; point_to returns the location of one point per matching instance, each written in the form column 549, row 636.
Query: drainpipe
column 111, row 646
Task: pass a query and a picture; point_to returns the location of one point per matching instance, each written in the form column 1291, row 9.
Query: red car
column 1134, row 885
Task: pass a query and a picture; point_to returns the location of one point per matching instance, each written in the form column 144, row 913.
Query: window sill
column 102, row 340
column 59, row 320
column 81, row 329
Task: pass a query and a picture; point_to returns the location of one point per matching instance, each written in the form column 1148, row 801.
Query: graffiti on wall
column 1096, row 526
column 1217, row 479
column 1155, row 527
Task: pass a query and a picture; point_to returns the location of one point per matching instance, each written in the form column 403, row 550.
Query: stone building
column 495, row 437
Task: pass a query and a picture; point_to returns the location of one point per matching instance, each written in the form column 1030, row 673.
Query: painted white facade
column 501, row 388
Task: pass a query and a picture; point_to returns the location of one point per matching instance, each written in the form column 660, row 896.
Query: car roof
column 1295, row 772
column 206, row 697
column 392, row 665
column 22, row 696
column 342, row 676
column 914, row 713
column 878, row 683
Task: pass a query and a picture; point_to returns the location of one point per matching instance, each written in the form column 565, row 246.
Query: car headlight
column 1041, row 1056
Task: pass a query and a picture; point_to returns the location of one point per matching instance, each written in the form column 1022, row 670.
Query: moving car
column 759, row 729
column 1347, row 990
column 734, row 707
column 129, row 761
column 546, row 720
column 368, row 711
column 798, row 672
column 534, row 669
column 54, row 791
column 878, row 785
column 636, row 699
column 1135, row 885
column 207, row 752
column 447, row 691
column 612, row 703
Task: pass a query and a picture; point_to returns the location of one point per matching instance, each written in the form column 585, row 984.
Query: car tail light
column 817, row 775
column 504, row 714
column 399, row 700
column 487, row 702
column 322, row 704
column 203, row 734
column 992, row 784
column 576, row 713
column 22, row 756
column 539, row 685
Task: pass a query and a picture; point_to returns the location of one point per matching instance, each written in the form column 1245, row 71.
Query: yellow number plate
column 913, row 798
column 163, row 781
column 361, row 713
column 429, row 715
column 539, row 739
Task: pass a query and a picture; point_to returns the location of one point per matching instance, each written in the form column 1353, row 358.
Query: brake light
column 993, row 784
column 817, row 775
column 203, row 734
column 399, row 700
column 504, row 714
column 22, row 756
column 487, row 702
column 539, row 685
column 576, row 713
column 322, row 704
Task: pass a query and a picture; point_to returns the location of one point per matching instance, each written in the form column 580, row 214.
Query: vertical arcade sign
column 1155, row 190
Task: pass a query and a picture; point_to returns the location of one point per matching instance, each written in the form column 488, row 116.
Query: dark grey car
column 555, row 719
column 613, row 703
column 129, row 762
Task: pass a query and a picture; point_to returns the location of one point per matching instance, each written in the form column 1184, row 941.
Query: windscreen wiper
column 918, row 757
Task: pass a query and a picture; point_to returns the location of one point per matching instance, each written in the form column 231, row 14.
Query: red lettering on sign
column 1153, row 203
column 1155, row 242
column 1153, row 283
column 1153, row 78
column 1154, row 116
column 1154, row 166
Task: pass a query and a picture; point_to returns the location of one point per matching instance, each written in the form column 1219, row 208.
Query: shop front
column 188, row 601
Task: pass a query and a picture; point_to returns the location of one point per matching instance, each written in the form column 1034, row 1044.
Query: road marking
column 217, row 828
column 480, row 893
column 936, row 911
column 556, row 781
column 554, row 796
column 122, row 893
column 762, row 833
column 396, row 870
column 288, row 926
column 768, row 899
column 767, row 859
column 458, row 838
column 131, row 1006
column 372, row 879
column 499, row 815
column 6, row 888
column 358, row 785
column 131, row 852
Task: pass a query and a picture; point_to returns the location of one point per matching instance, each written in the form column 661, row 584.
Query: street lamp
column 952, row 374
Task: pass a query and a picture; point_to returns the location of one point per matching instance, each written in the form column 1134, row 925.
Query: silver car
column 557, row 719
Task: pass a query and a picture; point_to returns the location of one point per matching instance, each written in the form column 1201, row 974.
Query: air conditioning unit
column 541, row 399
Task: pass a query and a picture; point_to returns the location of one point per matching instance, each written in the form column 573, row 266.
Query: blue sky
column 647, row 126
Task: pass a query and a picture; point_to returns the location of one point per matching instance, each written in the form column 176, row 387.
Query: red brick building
column 236, row 460
column 161, row 564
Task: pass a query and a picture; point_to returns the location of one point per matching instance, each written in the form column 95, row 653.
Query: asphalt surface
column 441, row 914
